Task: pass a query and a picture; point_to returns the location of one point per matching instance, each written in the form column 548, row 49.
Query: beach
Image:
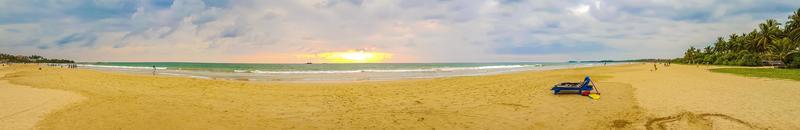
column 22, row 106
column 272, row 72
column 633, row 97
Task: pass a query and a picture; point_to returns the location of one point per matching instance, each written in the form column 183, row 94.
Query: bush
column 748, row 59
column 792, row 60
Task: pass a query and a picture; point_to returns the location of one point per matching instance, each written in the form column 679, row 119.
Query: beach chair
column 584, row 88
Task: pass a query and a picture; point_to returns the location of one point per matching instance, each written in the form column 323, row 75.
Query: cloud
column 413, row 31
column 84, row 39
column 580, row 10
column 554, row 48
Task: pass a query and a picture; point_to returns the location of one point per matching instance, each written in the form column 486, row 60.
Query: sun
column 354, row 57
column 357, row 56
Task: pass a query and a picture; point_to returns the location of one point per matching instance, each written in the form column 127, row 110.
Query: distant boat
column 309, row 63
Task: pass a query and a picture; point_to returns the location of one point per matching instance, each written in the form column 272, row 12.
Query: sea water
column 325, row 72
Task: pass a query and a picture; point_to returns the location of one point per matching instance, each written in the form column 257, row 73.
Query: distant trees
column 768, row 42
column 30, row 59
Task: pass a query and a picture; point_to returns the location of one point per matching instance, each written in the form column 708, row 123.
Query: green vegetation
column 793, row 74
column 7, row 58
column 769, row 42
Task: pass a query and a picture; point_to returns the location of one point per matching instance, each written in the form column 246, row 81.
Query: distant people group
column 64, row 65
column 48, row 64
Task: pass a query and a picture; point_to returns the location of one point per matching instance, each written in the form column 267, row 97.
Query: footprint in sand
column 689, row 120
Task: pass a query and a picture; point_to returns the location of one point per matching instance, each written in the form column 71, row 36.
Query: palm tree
column 734, row 42
column 720, row 45
column 690, row 55
column 768, row 41
column 769, row 32
column 793, row 26
column 782, row 48
column 749, row 41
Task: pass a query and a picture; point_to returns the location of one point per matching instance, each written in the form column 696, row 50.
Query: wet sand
column 633, row 97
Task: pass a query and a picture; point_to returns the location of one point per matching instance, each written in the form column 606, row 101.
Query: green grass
column 793, row 74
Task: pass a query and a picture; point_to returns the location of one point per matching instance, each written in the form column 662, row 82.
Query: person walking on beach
column 154, row 70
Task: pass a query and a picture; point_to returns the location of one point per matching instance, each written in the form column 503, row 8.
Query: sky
column 282, row 31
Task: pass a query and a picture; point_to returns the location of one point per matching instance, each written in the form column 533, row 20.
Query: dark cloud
column 43, row 47
column 87, row 40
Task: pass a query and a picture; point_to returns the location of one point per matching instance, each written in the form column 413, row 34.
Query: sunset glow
column 354, row 57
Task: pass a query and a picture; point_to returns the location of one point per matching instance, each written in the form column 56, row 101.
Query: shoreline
column 634, row 97
column 339, row 77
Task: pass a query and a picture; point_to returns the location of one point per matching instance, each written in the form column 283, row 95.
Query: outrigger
column 584, row 88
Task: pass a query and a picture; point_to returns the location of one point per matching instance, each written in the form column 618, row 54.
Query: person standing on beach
column 154, row 70
column 655, row 67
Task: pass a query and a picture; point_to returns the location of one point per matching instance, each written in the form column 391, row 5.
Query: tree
column 721, row 45
column 769, row 31
column 708, row 49
column 747, row 58
column 749, row 41
column 781, row 48
column 793, row 60
column 734, row 43
column 768, row 41
column 690, row 55
column 793, row 26
column 30, row 59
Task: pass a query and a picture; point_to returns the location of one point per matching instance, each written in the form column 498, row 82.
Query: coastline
column 386, row 74
column 634, row 97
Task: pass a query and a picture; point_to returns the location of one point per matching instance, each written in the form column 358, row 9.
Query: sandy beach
column 633, row 97
column 22, row 106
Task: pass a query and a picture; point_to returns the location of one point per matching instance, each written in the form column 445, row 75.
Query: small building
column 775, row 63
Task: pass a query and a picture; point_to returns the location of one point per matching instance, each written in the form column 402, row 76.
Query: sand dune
column 633, row 98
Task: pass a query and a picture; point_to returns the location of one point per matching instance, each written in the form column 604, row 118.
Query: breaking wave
column 388, row 70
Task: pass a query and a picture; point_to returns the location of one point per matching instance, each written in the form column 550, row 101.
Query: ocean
column 325, row 72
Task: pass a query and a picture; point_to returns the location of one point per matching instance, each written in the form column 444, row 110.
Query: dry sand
column 22, row 106
column 692, row 96
column 677, row 97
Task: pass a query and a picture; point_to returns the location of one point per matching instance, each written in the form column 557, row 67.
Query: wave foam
column 388, row 71
column 120, row 67
column 191, row 76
